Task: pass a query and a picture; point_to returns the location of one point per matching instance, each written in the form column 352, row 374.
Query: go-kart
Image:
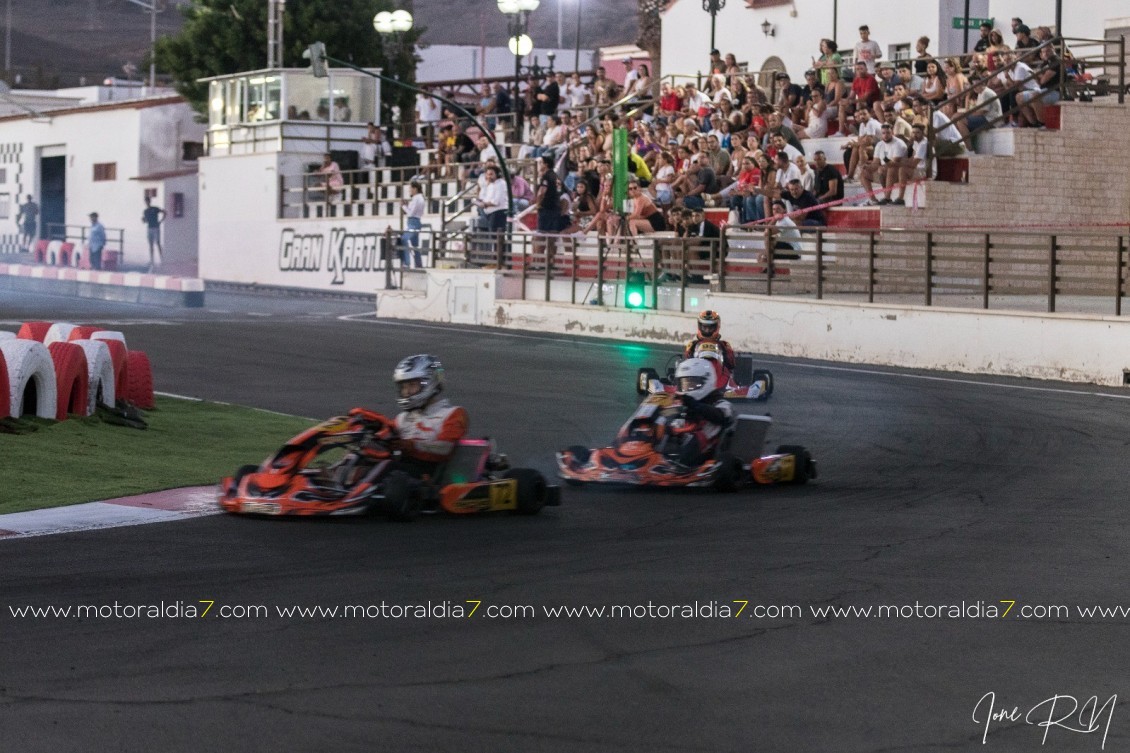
column 645, row 454
column 351, row 464
column 744, row 383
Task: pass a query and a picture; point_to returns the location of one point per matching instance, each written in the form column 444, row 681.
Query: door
column 53, row 195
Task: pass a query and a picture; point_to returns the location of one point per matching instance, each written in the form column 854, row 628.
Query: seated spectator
column 645, row 217
column 800, row 204
column 1032, row 102
column 788, row 95
column 870, row 130
column 807, row 174
column 934, row 85
column 914, row 166
column 908, row 77
column 744, row 190
column 997, row 48
column 986, row 110
column 956, row 83
column 670, row 99
column 816, row 117
column 702, row 182
column 885, row 166
column 829, row 182
column 332, row 181
column 888, row 82
column 947, row 139
column 864, row 91
column 662, row 178
column 782, row 238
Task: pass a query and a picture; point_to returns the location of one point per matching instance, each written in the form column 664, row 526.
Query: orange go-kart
column 744, row 384
column 350, row 464
column 645, row 449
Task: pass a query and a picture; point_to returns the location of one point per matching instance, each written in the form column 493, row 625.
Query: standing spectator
column 96, row 242
column 28, row 221
column 579, row 94
column 375, row 150
column 923, row 57
column 413, row 209
column 984, row 42
column 867, row 50
column 630, row 76
column 549, row 98
column 548, row 198
column 603, row 89
column 152, row 217
column 492, row 200
column 829, row 59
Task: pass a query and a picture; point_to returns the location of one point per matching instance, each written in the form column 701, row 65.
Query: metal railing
column 80, row 234
column 991, row 269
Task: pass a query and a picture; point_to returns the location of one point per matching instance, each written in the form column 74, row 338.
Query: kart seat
column 466, row 464
column 749, row 436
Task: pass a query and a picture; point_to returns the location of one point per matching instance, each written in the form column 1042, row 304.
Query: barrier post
column 525, row 261
column 654, row 273
column 1051, row 273
column 721, row 267
column 683, row 283
column 573, row 274
column 600, row 270
column 549, row 257
column 1118, row 278
column 820, row 264
column 929, row 269
column 388, row 258
column 985, row 272
column 1122, row 70
column 871, row 267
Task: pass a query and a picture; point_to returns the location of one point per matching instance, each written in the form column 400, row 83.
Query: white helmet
column 695, row 377
column 418, row 380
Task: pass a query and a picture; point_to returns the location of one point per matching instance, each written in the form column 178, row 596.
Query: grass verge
column 188, row 443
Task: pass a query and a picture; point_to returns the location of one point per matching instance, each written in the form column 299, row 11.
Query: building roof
column 166, row 174
column 129, row 104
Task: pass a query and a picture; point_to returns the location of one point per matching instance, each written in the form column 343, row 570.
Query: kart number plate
column 647, row 409
column 256, row 507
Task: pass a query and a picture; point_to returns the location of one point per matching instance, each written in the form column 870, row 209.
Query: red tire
column 139, row 380
column 83, row 332
column 71, row 379
column 34, row 330
column 118, row 358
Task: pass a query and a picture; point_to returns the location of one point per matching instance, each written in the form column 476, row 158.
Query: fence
column 1070, row 271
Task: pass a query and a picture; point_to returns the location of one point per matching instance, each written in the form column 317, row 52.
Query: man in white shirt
column 870, row 130
column 782, row 237
column 631, row 75
column 867, row 50
column 492, row 200
column 413, row 209
column 428, row 113
column 947, row 139
column 695, row 99
column 886, row 165
column 579, row 94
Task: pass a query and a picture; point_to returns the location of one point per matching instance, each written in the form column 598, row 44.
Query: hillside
column 70, row 42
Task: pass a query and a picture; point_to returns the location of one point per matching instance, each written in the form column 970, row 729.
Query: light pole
column 391, row 26
column 577, row 47
column 518, row 17
column 712, row 7
column 151, row 6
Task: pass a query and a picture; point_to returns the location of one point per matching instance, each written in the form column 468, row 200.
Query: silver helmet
column 418, row 380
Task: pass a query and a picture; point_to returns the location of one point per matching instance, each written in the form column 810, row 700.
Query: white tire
column 29, row 365
column 60, row 332
column 108, row 334
column 100, row 369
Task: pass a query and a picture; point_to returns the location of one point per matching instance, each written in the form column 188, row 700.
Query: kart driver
column 706, row 414
column 710, row 331
column 430, row 427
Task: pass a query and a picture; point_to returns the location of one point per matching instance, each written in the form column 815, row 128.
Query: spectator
column 956, row 83
column 829, row 183
column 374, row 148
column 584, row 205
column 788, row 95
column 864, row 92
column 782, row 238
column 521, row 191
column 870, row 130
column 986, row 111
column 744, row 190
column 1016, row 24
column 662, row 179
column 413, row 209
column 914, row 166
column 152, row 217
column 947, row 139
column 777, row 144
column 1032, row 101
column 28, row 221
column 908, row 77
column 716, row 64
column 493, row 201
column 696, row 101
column 923, row 57
column 579, row 95
column 885, row 165
column 548, row 99
column 641, row 88
column 631, row 75
column 934, row 85
column 997, row 48
column 96, row 241
column 867, row 50
column 1024, row 40
column 888, row 81
column 816, row 117
column 670, row 100
column 703, row 182
column 1019, row 74
column 342, row 111
column 731, row 63
column 835, row 92
column 984, row 42
column 807, row 174
column 719, row 157
column 777, row 127
column 800, row 203
column 333, row 183
column 830, row 59
column 645, row 217
column 603, row 89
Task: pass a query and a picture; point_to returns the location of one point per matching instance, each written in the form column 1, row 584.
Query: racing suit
column 700, row 428
column 727, row 352
column 429, row 435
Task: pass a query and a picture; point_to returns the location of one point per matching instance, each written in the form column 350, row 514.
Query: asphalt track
column 934, row 488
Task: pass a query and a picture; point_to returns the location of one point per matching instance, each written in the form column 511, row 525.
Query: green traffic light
column 635, row 299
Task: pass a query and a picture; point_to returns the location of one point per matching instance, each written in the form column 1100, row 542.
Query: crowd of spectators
column 735, row 144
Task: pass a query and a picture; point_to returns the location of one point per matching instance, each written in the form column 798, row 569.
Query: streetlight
column 712, row 7
column 391, row 25
column 518, row 16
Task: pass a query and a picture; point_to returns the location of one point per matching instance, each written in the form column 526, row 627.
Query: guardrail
column 991, row 269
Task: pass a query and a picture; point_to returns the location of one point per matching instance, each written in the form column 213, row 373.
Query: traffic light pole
column 456, row 107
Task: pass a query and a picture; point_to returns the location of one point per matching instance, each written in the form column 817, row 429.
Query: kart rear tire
column 729, row 477
column 768, row 377
column 402, row 498
column 805, row 465
column 531, row 490
column 643, row 379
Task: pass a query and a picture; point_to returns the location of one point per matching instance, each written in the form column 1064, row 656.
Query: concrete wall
column 1051, row 346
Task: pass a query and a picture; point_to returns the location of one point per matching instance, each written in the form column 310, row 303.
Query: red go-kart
column 744, row 383
column 349, row 464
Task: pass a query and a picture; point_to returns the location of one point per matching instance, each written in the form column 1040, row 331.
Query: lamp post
column 518, row 17
column 712, row 7
column 391, row 25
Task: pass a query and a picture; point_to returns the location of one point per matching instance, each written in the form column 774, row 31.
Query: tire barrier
column 33, row 330
column 83, row 332
column 59, row 332
column 118, row 357
column 139, row 380
column 71, row 380
column 100, row 374
column 108, row 334
column 31, row 378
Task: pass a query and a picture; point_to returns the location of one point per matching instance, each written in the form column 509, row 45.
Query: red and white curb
column 126, row 279
column 155, row 507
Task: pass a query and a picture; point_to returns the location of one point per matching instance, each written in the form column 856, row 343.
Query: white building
column 455, row 62
column 93, row 155
column 795, row 28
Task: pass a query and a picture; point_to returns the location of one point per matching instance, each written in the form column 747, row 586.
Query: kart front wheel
column 805, row 467
column 532, row 491
column 729, row 475
column 643, row 379
column 763, row 376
